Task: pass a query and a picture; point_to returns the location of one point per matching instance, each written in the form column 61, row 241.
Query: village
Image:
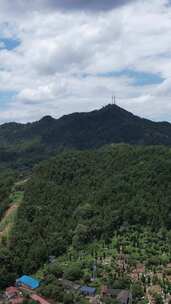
column 138, row 284
column 25, row 290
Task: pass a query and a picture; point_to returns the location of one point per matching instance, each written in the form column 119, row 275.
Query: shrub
column 56, row 270
column 68, row 298
column 73, row 272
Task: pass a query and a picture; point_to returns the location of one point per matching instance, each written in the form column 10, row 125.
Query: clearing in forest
column 10, row 215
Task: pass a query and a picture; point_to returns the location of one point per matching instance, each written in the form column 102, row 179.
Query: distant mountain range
column 22, row 145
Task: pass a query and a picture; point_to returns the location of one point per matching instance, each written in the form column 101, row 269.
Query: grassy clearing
column 6, row 224
column 16, row 197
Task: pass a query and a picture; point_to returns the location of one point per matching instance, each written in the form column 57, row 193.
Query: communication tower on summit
column 113, row 100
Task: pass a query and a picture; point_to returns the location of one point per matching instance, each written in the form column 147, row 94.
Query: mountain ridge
column 108, row 106
column 32, row 142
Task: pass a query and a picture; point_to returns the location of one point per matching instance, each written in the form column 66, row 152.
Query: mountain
column 84, row 205
column 23, row 145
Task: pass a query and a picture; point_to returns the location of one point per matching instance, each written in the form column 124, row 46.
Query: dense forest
column 78, row 197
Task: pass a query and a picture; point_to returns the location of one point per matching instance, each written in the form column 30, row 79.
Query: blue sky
column 138, row 78
column 57, row 57
column 9, row 43
column 6, row 97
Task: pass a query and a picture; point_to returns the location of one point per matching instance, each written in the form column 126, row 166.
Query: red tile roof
column 11, row 290
column 17, row 300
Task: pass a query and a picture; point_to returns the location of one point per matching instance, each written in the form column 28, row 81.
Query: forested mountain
column 78, row 197
column 23, row 145
column 98, row 185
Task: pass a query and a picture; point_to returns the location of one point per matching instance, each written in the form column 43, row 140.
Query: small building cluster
column 122, row 296
column 73, row 287
column 15, row 294
column 27, row 285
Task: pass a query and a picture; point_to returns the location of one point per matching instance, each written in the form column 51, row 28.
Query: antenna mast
column 113, row 100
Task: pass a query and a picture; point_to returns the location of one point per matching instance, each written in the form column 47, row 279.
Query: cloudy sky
column 62, row 56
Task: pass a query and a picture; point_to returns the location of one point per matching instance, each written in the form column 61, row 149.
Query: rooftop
column 88, row 289
column 11, row 290
column 123, row 297
column 17, row 300
column 28, row 281
column 69, row 284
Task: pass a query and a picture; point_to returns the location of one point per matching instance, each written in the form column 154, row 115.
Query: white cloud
column 54, row 69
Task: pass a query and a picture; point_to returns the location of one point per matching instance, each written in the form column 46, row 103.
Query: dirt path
column 10, row 215
column 8, row 220
column 10, row 210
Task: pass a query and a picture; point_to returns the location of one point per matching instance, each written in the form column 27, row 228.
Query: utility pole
column 94, row 271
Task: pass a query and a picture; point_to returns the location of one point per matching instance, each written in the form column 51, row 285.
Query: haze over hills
column 25, row 144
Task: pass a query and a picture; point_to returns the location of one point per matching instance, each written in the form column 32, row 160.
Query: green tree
column 73, row 272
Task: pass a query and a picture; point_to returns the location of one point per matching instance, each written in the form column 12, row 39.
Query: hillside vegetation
column 24, row 145
column 79, row 197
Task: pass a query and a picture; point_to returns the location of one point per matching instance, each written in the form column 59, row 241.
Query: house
column 11, row 292
column 109, row 292
column 39, row 299
column 88, row 291
column 137, row 273
column 69, row 285
column 28, row 282
column 95, row 300
column 17, row 300
column 13, row 295
column 51, row 258
column 123, row 296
